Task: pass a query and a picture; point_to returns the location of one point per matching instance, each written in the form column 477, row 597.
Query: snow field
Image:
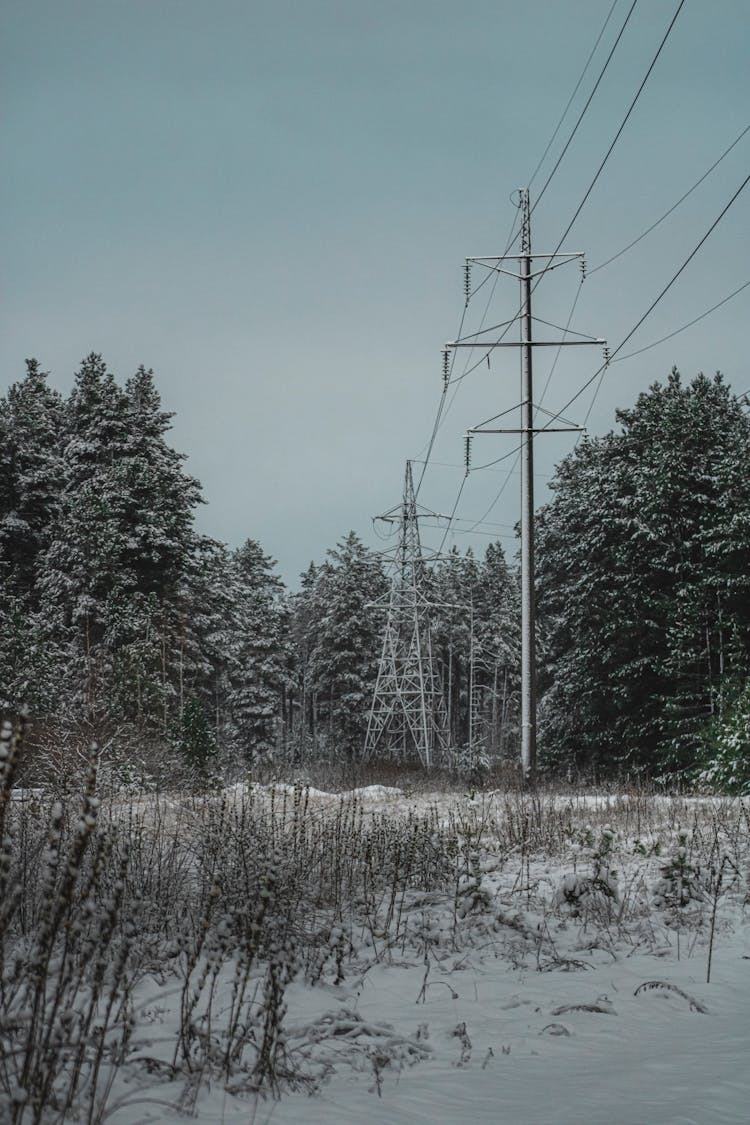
column 284, row 955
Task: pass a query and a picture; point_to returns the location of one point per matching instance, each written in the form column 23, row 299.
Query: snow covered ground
column 490, row 1042
column 558, row 976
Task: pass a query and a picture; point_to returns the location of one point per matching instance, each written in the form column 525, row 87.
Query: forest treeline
column 119, row 620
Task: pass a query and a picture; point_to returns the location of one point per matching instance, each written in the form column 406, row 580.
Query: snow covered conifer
column 30, row 477
column 30, row 482
column 348, row 631
column 121, row 541
column 259, row 651
column 498, row 648
column 456, row 585
column 644, row 590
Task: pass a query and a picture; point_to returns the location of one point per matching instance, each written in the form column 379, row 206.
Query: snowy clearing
column 279, row 954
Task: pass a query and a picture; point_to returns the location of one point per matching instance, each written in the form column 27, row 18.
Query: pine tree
column 196, row 739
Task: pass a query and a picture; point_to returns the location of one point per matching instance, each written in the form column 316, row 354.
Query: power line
column 589, row 99
column 516, row 453
column 506, row 324
column 430, row 444
column 475, row 531
column 689, row 324
column 498, row 460
column 582, row 75
column 565, row 331
column 599, row 373
column 606, row 155
column 564, row 236
column 653, row 345
column 476, row 469
column 439, row 419
column 452, row 515
column 654, row 303
column 474, row 523
column 624, row 122
column 673, row 207
column 441, row 405
column 592, row 404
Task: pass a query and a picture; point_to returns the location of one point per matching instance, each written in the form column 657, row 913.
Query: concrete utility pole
column 528, row 599
column 525, row 274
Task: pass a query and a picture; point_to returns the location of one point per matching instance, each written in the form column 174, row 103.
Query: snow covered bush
column 678, row 884
column 584, row 891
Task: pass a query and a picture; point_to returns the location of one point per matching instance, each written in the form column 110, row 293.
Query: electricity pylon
column 408, row 717
column 525, row 273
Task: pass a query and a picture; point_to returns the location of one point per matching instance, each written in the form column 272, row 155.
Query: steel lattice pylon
column 408, row 717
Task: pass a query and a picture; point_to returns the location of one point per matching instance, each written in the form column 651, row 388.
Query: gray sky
column 269, row 202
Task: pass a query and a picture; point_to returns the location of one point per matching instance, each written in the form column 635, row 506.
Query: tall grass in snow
column 150, row 940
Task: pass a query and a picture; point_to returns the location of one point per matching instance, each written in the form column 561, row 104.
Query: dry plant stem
column 11, row 740
column 717, row 892
column 34, row 1073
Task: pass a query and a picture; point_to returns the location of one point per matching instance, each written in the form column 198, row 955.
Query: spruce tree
column 119, row 546
column 455, row 590
column 259, row 652
column 346, row 650
column 643, row 581
column 30, row 481
column 30, row 478
column 498, row 650
column 302, row 705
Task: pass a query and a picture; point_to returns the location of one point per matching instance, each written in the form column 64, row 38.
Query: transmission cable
column 575, row 216
column 654, row 344
column 441, row 405
column 452, row 515
column 468, row 370
column 618, row 134
column 516, row 453
column 653, row 304
column 689, row 324
column 564, row 113
column 570, row 225
column 672, row 208
column 605, row 159
column 589, row 99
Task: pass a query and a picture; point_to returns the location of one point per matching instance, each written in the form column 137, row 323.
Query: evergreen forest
column 120, row 622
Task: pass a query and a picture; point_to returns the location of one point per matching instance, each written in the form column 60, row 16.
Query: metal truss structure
column 408, row 717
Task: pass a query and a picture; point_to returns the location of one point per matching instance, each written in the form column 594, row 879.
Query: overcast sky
column 270, row 201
